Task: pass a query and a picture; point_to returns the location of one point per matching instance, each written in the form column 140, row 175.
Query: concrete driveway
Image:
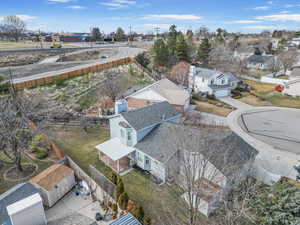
column 235, row 103
column 75, row 210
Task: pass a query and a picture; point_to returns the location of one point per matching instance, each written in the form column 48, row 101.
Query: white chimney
column 28, row 211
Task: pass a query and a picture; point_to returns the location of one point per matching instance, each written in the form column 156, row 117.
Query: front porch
column 115, row 154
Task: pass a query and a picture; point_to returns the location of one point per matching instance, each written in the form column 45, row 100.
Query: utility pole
column 130, row 36
column 156, row 30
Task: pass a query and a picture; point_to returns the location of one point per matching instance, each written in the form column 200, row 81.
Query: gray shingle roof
column 126, row 219
column 206, row 73
column 222, row 147
column 16, row 193
column 150, row 115
column 255, row 59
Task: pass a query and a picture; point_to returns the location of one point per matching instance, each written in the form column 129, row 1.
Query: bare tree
column 222, row 58
column 114, row 84
column 16, row 112
column 288, row 59
column 13, row 27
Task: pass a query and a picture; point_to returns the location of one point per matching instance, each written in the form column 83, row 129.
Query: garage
column 222, row 93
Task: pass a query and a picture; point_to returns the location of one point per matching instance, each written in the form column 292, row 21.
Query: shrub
column 113, row 178
column 138, row 212
column 60, row 82
column 39, row 144
column 109, row 204
column 143, row 59
column 119, row 189
column 123, row 201
column 41, row 155
column 130, row 205
column 114, row 207
column 147, row 220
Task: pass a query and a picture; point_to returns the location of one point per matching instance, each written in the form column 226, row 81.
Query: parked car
column 279, row 88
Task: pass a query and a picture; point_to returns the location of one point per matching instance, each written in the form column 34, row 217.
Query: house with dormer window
column 212, row 82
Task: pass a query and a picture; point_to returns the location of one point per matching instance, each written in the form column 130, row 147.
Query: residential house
column 212, row 82
column 292, row 87
column 163, row 90
column 129, row 128
column 53, row 183
column 127, row 219
column 22, row 205
column 261, row 62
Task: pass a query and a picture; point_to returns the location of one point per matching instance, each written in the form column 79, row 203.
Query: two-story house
column 212, row 82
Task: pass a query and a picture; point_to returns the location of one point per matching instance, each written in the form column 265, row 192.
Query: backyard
column 267, row 96
column 80, row 146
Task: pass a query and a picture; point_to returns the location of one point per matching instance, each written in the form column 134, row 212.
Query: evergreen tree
column 96, row 34
column 119, row 189
column 203, row 52
column 182, row 48
column 123, row 201
column 278, row 204
column 172, row 39
column 190, row 43
column 160, row 54
column 120, row 35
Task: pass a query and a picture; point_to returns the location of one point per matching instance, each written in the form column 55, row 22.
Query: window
column 139, row 157
column 122, row 133
column 129, row 136
column 223, row 81
column 202, row 79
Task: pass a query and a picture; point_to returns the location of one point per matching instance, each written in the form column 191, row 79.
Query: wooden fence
column 70, row 74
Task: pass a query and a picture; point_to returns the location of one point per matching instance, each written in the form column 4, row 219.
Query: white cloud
column 242, row 22
column 26, row 17
column 171, row 17
column 163, row 26
column 76, row 7
column 61, row 1
column 119, row 4
column 284, row 12
column 261, row 8
column 270, row 2
column 280, row 17
column 264, row 27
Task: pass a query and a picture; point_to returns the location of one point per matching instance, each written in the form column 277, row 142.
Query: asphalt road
column 124, row 52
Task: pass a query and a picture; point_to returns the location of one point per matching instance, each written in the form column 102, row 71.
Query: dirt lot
column 28, row 70
column 88, row 55
column 27, row 57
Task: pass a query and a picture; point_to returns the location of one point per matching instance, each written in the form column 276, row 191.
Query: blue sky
column 144, row 15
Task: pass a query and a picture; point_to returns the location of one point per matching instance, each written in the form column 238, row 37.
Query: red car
column 279, row 88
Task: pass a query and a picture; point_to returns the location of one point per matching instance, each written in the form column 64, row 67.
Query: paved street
column 122, row 53
column 235, row 103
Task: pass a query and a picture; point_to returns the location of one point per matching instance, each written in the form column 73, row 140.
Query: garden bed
column 14, row 175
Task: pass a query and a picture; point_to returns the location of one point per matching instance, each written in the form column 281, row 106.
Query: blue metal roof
column 126, row 219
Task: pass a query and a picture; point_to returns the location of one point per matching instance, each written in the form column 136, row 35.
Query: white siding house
column 211, row 82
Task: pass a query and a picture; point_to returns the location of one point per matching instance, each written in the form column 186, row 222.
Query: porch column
column 118, row 166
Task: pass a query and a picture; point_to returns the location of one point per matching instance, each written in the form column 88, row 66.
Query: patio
column 115, row 155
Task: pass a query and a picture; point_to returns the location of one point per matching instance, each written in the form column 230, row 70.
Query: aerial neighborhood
column 153, row 121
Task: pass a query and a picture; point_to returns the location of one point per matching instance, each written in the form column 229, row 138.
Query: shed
column 126, row 219
column 54, row 183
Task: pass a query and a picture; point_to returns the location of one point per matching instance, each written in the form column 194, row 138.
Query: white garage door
column 222, row 93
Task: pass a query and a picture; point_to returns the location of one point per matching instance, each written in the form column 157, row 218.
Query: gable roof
column 126, row 219
column 221, row 146
column 208, row 73
column 256, row 59
column 174, row 94
column 17, row 193
column 51, row 176
column 150, row 115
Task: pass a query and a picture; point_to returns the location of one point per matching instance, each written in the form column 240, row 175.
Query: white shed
column 54, row 183
column 28, row 211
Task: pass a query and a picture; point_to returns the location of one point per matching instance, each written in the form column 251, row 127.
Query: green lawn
column 159, row 202
column 268, row 96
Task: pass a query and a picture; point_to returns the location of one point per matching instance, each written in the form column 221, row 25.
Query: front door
column 147, row 163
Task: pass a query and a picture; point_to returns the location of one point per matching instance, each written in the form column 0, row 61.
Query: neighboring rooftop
column 150, row 115
column 48, row 178
column 295, row 72
column 17, row 193
column 257, row 59
column 229, row 151
column 173, row 93
column 126, row 219
column 208, row 73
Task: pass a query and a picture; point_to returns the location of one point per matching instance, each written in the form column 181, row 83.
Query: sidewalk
column 235, row 103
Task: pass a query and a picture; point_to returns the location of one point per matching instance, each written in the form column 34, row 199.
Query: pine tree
column 203, row 52
column 119, row 189
column 172, row 39
column 160, row 54
column 278, row 204
column 182, row 48
column 120, row 35
column 123, row 201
